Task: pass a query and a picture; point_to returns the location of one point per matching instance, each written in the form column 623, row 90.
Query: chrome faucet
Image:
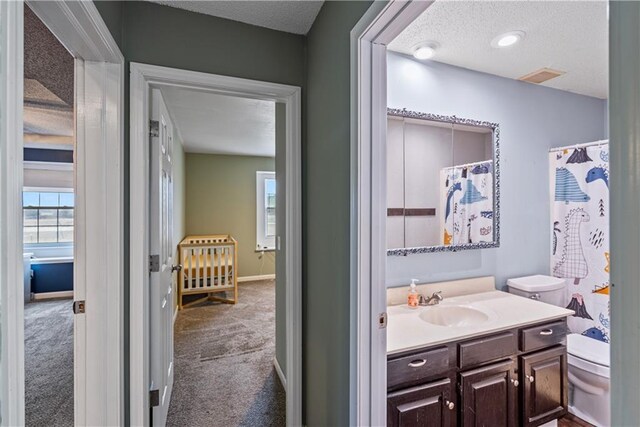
column 434, row 299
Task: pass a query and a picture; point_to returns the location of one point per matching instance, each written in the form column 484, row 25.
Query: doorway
column 47, row 206
column 97, row 66
column 373, row 273
column 211, row 254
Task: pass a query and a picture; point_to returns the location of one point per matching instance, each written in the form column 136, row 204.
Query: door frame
column 143, row 76
column 369, row 38
column 98, row 231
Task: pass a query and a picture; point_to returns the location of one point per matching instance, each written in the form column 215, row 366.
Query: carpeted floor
column 224, row 374
column 48, row 350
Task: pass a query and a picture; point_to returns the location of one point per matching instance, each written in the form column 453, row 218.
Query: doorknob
column 177, row 268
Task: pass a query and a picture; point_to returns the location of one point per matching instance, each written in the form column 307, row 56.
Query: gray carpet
column 224, row 374
column 48, row 354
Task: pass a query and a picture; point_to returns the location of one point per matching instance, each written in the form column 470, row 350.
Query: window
column 266, row 210
column 47, row 217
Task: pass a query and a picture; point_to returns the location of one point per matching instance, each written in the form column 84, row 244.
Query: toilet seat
column 588, row 354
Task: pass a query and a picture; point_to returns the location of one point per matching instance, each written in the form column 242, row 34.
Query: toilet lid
column 588, row 349
column 536, row 283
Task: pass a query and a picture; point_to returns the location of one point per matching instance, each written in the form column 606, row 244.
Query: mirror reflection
column 441, row 186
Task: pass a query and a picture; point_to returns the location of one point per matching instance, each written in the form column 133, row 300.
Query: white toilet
column 588, row 358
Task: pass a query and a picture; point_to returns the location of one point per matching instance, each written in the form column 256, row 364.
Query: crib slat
column 189, row 269
column 206, row 261
column 220, row 268
column 198, row 255
column 226, row 269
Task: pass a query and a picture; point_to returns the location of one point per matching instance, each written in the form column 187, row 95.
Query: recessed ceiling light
column 507, row 39
column 425, row 50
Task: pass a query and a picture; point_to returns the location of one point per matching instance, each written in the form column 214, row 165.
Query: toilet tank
column 539, row 287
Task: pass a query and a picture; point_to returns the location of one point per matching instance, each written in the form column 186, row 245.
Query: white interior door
column 161, row 262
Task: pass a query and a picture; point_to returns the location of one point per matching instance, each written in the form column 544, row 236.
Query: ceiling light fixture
column 507, row 39
column 425, row 50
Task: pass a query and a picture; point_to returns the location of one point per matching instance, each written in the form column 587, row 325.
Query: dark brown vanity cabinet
column 509, row 378
column 545, row 386
column 424, row 405
column 489, row 395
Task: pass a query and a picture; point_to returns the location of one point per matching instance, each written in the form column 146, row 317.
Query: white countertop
column 407, row 331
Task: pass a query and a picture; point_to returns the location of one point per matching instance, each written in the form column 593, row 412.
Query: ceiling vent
column 541, row 76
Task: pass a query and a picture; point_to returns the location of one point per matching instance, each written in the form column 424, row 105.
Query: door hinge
column 154, row 398
column 154, row 128
column 382, row 320
column 154, row 263
column 78, row 307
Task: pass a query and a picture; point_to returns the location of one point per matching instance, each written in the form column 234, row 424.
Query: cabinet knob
column 516, row 383
column 449, row 404
column 530, row 378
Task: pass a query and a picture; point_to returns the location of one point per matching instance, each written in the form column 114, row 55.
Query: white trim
column 48, row 166
column 368, row 200
column 80, row 28
column 256, row 278
column 52, row 260
column 99, row 229
column 11, row 267
column 51, row 295
column 142, row 76
column 283, row 380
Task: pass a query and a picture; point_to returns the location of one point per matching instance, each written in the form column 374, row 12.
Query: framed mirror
column 443, row 183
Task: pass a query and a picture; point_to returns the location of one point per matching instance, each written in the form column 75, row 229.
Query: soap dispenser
column 412, row 299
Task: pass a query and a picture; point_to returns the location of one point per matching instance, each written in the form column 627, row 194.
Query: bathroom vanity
column 488, row 358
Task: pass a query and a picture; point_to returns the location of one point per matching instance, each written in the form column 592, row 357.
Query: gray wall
column 532, row 119
column 161, row 35
column 326, row 220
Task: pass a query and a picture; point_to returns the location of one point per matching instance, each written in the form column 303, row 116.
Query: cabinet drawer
column 486, row 349
column 418, row 366
column 543, row 336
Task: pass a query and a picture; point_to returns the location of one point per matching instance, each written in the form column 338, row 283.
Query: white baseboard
column 283, row 380
column 255, row 278
column 52, row 295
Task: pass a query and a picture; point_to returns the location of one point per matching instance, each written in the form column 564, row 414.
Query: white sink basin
column 453, row 316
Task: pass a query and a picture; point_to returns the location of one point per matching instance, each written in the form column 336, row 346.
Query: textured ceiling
column 221, row 124
column 289, row 16
column 48, row 87
column 570, row 36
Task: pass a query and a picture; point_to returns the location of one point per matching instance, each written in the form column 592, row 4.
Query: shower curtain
column 466, row 203
column 580, row 234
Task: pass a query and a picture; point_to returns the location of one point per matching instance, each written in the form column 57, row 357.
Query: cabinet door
column 431, row 404
column 489, row 395
column 545, row 382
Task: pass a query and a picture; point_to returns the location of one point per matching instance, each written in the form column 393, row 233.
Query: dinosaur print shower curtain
column 580, row 239
column 466, row 199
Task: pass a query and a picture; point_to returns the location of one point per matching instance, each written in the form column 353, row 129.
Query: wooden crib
column 209, row 265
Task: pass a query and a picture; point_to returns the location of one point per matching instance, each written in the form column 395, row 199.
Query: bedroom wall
column 221, row 198
column 179, row 207
column 532, row 119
